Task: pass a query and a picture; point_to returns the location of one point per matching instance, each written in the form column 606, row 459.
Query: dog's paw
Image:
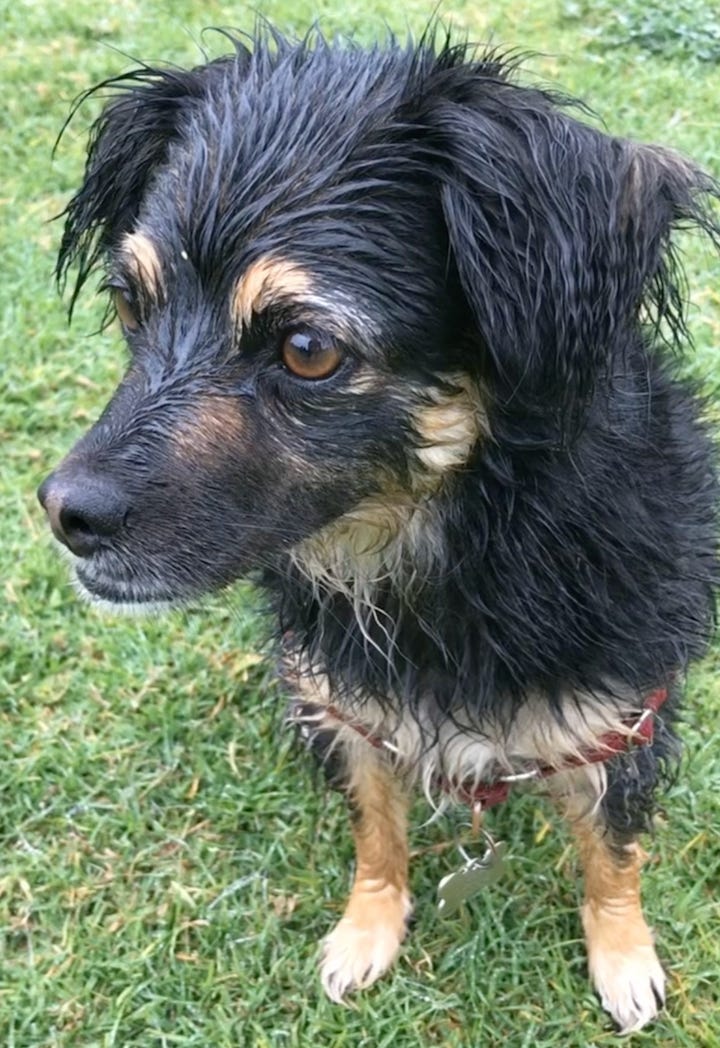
column 631, row 984
column 366, row 941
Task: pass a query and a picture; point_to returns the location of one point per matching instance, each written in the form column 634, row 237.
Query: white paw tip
column 631, row 986
column 354, row 958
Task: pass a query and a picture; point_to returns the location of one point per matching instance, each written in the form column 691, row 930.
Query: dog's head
column 342, row 275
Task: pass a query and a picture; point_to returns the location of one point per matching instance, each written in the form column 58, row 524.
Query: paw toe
column 631, row 986
column 357, row 952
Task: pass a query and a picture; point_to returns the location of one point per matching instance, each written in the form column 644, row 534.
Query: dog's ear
column 128, row 142
column 561, row 238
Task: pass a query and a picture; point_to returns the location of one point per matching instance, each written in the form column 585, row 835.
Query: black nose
column 84, row 510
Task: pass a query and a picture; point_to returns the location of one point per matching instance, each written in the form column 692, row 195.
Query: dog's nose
column 84, row 510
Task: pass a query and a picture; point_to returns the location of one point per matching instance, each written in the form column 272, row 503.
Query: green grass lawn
column 167, row 864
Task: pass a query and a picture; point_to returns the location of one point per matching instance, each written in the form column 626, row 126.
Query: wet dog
column 401, row 339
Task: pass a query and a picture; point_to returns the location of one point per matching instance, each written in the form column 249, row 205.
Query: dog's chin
column 123, row 598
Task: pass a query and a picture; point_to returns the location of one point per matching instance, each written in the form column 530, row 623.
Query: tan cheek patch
column 144, row 262
column 378, row 539
column 450, row 427
column 205, row 433
column 266, row 281
column 373, row 540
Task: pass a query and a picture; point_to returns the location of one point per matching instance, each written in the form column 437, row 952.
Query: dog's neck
column 386, row 542
column 358, row 599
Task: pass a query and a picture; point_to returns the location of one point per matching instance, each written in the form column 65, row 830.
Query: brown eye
column 309, row 355
column 123, row 308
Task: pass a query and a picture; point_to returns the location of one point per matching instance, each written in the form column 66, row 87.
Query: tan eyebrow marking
column 141, row 256
column 265, row 281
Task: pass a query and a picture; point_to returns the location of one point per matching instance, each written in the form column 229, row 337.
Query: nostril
column 73, row 523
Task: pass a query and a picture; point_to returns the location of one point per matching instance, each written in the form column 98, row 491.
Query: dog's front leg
column 622, row 961
column 366, row 940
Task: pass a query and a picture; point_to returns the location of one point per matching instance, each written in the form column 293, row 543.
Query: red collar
column 640, row 732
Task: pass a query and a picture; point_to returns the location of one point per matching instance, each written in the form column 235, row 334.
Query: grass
column 686, row 29
column 167, row 865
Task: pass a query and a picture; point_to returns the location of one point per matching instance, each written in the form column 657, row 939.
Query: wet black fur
column 484, row 231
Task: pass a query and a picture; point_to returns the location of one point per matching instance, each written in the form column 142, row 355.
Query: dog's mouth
column 121, row 592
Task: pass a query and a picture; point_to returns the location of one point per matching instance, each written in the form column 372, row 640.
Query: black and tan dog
column 401, row 338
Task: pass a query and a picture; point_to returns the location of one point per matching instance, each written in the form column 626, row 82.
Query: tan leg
column 366, row 941
column 622, row 961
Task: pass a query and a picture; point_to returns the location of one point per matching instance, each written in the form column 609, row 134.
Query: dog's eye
column 124, row 308
column 308, row 355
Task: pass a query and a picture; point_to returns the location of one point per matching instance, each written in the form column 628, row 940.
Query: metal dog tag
column 454, row 889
